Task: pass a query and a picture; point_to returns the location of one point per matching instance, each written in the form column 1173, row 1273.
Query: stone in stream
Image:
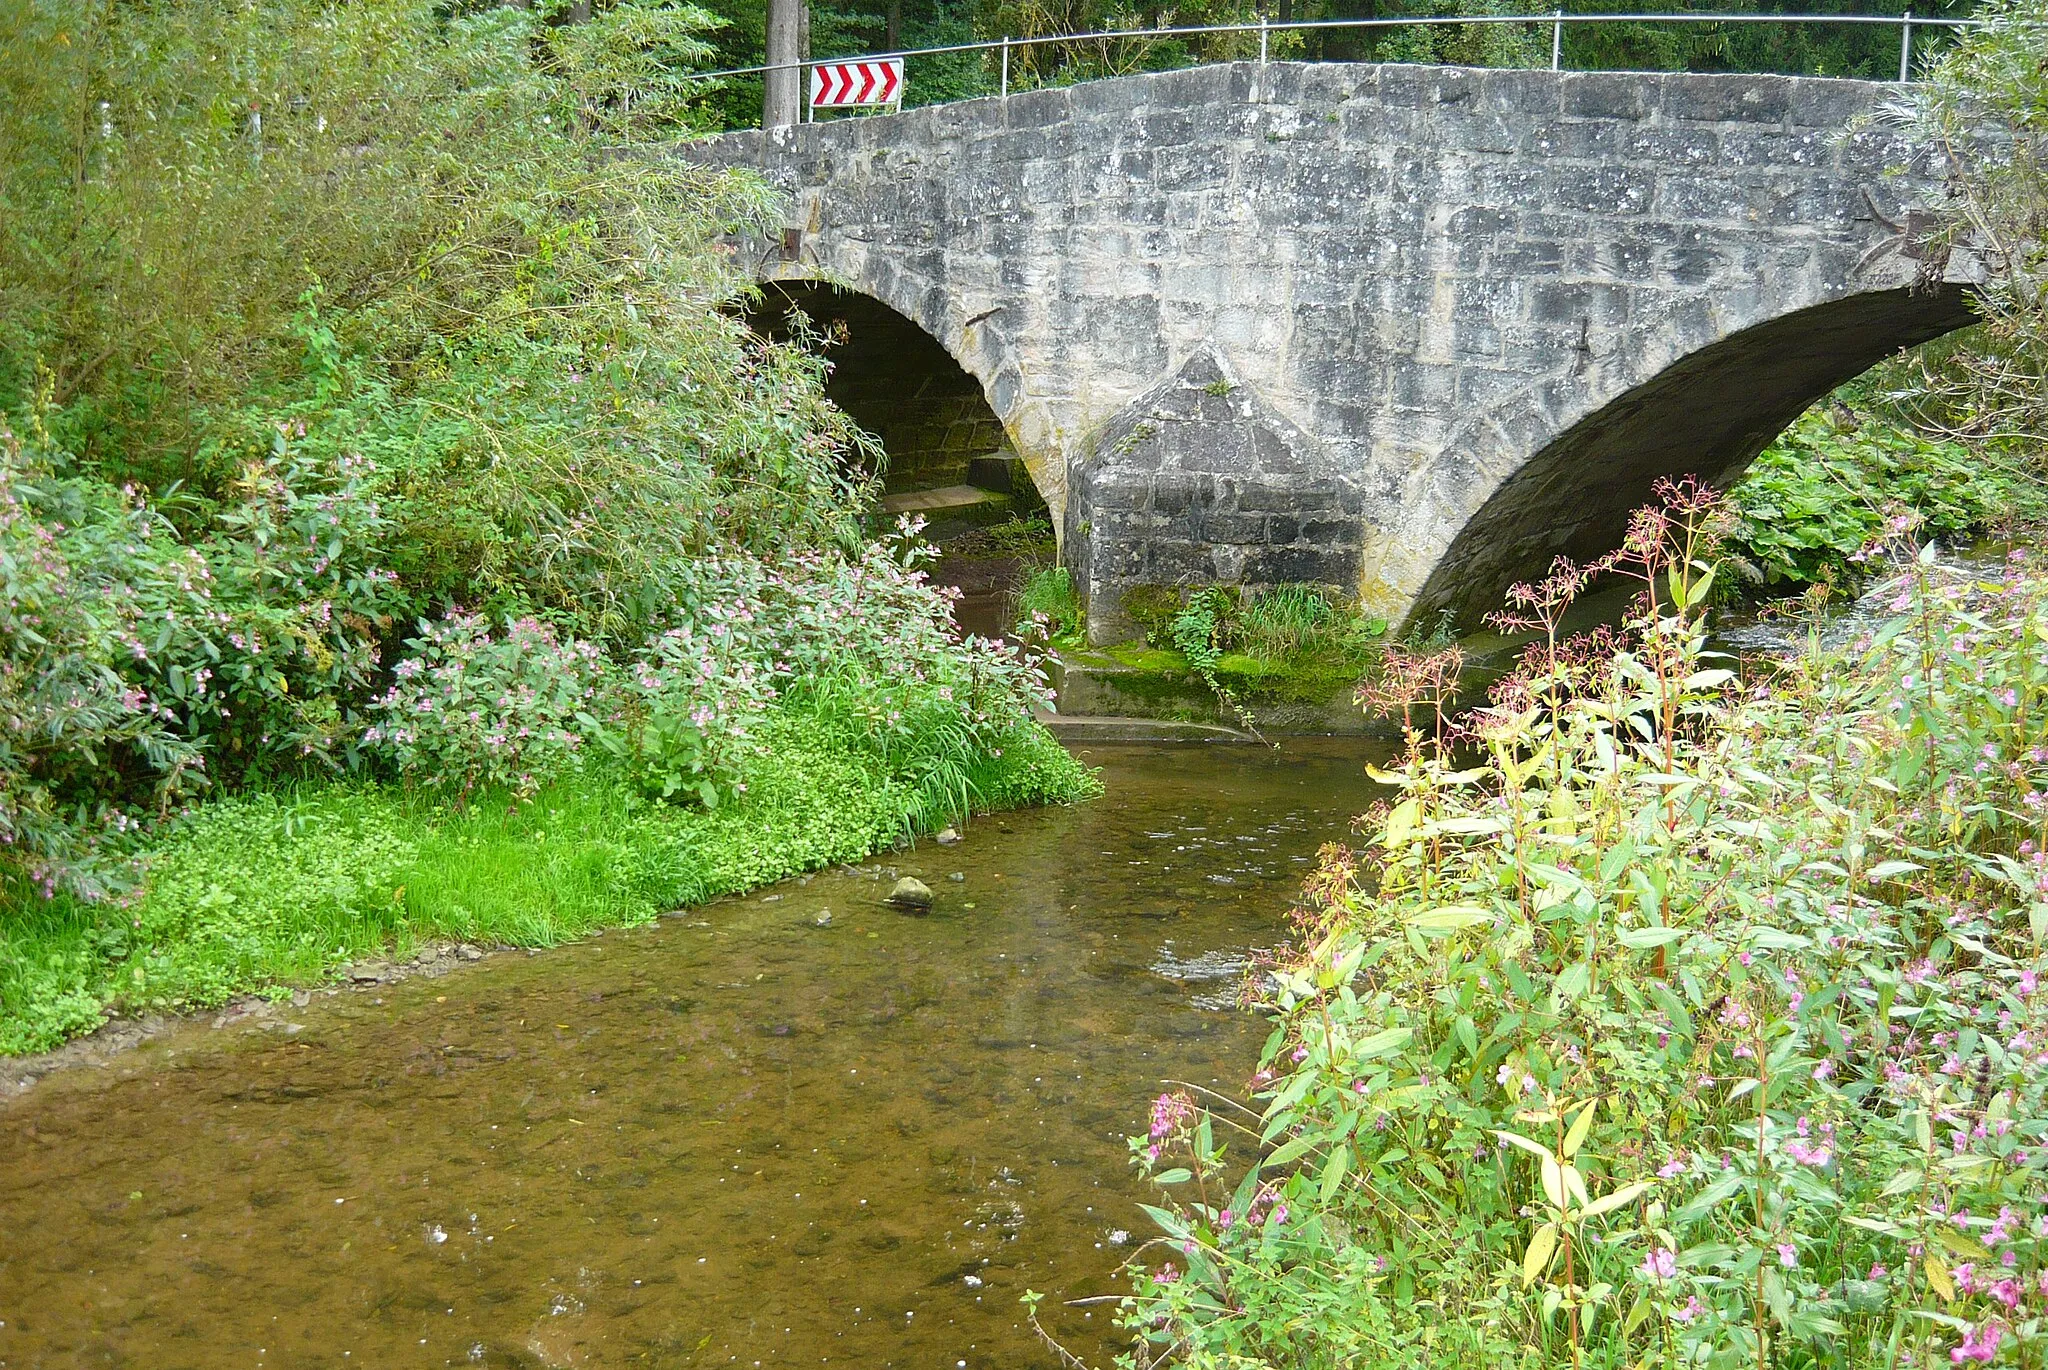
column 947, row 837
column 911, row 893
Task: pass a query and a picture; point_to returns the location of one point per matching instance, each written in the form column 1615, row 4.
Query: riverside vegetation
column 1664, row 1017
column 400, row 537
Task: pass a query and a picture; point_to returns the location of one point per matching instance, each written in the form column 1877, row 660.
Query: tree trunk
column 781, row 96
column 893, row 39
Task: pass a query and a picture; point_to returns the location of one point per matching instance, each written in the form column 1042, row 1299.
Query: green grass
column 1283, row 644
column 265, row 891
column 1050, row 591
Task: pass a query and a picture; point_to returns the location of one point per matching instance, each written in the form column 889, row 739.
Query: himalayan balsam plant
column 1662, row 1019
column 472, row 707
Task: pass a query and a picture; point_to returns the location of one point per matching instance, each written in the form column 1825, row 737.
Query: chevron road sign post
column 843, row 85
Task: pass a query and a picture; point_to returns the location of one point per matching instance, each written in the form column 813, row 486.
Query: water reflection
column 750, row 1135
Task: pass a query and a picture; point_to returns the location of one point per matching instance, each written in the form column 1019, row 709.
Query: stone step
column 946, row 499
column 1004, row 471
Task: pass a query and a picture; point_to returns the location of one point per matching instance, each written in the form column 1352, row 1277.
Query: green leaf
column 1620, row 1198
column 1517, row 1140
column 1709, row 1199
column 1401, row 822
column 1449, row 919
column 1334, row 1172
column 1964, row 1245
column 1536, row 1257
column 1776, row 1295
column 1902, row 1183
column 1293, row 1150
column 1381, row 1043
column 1171, row 1225
column 1180, row 1174
column 1576, row 1137
column 1646, row 939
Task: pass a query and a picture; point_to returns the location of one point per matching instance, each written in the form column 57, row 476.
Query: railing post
column 1262, row 38
column 1005, row 88
column 1557, row 41
column 1906, row 48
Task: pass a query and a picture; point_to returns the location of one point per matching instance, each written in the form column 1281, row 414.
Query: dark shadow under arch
column 947, row 457
column 1708, row 415
column 897, row 382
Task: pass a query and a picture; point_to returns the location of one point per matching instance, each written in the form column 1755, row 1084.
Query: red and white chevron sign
column 838, row 84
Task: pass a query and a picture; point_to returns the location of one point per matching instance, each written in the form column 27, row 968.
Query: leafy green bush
column 72, row 724
column 1661, row 1021
column 1824, row 490
column 470, row 709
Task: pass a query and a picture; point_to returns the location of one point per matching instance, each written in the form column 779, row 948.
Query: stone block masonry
column 1410, row 331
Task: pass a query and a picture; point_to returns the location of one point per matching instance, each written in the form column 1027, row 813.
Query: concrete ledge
column 1138, row 730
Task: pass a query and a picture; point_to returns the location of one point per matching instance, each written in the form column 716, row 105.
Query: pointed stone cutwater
column 1200, row 482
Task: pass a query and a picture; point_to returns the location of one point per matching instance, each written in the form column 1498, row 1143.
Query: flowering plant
column 470, row 708
column 693, row 700
column 1664, row 1020
column 75, row 561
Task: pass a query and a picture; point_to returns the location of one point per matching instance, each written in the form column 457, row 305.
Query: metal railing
column 1265, row 28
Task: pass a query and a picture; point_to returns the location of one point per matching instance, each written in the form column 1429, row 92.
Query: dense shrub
column 1827, row 486
column 1661, row 1020
column 78, row 564
column 471, row 708
column 374, row 311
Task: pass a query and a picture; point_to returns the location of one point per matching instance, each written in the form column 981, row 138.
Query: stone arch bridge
column 1408, row 331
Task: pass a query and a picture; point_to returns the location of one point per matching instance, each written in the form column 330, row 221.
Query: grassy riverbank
column 272, row 889
column 397, row 546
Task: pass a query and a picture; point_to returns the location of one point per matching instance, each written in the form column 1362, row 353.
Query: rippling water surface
column 796, row 1128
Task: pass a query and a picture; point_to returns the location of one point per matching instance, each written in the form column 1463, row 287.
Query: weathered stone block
column 1607, row 95
column 1728, row 99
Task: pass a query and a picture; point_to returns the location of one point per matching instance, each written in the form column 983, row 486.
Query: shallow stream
column 795, row 1128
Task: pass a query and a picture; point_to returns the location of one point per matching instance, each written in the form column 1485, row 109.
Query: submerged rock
column 911, row 893
column 947, row 837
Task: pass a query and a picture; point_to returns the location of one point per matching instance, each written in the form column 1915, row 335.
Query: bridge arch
column 924, row 333
column 947, row 453
column 1706, row 413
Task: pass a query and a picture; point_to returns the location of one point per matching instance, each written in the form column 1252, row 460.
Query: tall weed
column 1660, row 1020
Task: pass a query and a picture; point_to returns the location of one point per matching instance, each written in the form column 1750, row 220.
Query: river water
column 752, row 1134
